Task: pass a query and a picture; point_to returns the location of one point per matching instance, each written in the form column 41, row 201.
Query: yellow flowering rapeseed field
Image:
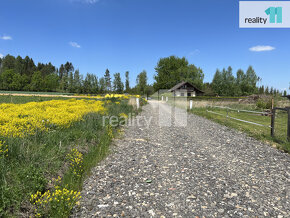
column 120, row 96
column 29, row 164
column 18, row 120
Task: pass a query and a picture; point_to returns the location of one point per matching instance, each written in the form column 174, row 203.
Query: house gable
column 185, row 86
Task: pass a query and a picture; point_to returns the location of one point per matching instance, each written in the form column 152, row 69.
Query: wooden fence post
column 158, row 94
column 288, row 131
column 174, row 98
column 273, row 122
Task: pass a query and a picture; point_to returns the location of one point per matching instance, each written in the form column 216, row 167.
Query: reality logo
column 275, row 12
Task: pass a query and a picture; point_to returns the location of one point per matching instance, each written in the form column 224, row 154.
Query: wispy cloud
column 1, row 55
column 75, row 44
column 86, row 1
column 90, row 1
column 194, row 52
column 6, row 37
column 260, row 48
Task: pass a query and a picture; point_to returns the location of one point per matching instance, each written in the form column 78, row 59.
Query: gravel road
column 199, row 170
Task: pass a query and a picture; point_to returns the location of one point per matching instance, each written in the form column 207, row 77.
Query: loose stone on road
column 201, row 169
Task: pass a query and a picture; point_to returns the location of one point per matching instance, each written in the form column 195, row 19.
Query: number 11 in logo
column 275, row 12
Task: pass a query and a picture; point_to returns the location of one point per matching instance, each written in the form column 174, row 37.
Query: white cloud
column 75, row 45
column 1, row 55
column 260, row 48
column 6, row 37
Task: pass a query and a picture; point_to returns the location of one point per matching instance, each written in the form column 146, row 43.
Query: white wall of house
column 183, row 93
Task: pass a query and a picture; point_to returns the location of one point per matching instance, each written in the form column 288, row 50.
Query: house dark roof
column 181, row 84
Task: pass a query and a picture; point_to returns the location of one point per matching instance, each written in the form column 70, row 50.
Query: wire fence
column 227, row 115
column 276, row 121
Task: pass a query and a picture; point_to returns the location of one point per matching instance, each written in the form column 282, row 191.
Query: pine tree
column 117, row 84
column 267, row 91
column 95, row 84
column 108, row 81
column 262, row 90
column 217, row 82
column 61, row 71
column 71, row 85
column 127, row 82
column 271, row 91
column 77, row 82
column 142, row 82
column 102, row 85
column 251, row 81
column 8, row 63
column 239, row 82
column 87, row 84
column 19, row 65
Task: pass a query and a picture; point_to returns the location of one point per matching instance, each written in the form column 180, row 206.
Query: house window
column 181, row 94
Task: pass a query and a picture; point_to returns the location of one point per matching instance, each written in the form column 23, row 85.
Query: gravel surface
column 203, row 170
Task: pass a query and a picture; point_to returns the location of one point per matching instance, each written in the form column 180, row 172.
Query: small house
column 185, row 89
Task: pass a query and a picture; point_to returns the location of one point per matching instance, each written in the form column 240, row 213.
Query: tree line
column 172, row 70
column 243, row 84
column 22, row 74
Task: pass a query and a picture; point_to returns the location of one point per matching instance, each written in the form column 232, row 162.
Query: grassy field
column 26, row 99
column 34, row 93
column 42, row 173
column 259, row 132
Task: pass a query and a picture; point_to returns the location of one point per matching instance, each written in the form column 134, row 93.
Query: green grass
column 261, row 133
column 26, row 99
column 33, row 161
column 35, row 93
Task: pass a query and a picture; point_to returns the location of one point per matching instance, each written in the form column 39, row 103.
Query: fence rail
column 163, row 95
column 238, row 110
column 245, row 121
column 273, row 116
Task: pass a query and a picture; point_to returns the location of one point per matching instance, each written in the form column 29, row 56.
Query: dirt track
column 202, row 169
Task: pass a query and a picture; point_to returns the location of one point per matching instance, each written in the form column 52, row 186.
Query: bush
column 264, row 104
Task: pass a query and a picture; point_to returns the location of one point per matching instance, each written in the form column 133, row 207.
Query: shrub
column 264, row 103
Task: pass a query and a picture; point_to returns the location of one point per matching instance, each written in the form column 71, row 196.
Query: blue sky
column 133, row 34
